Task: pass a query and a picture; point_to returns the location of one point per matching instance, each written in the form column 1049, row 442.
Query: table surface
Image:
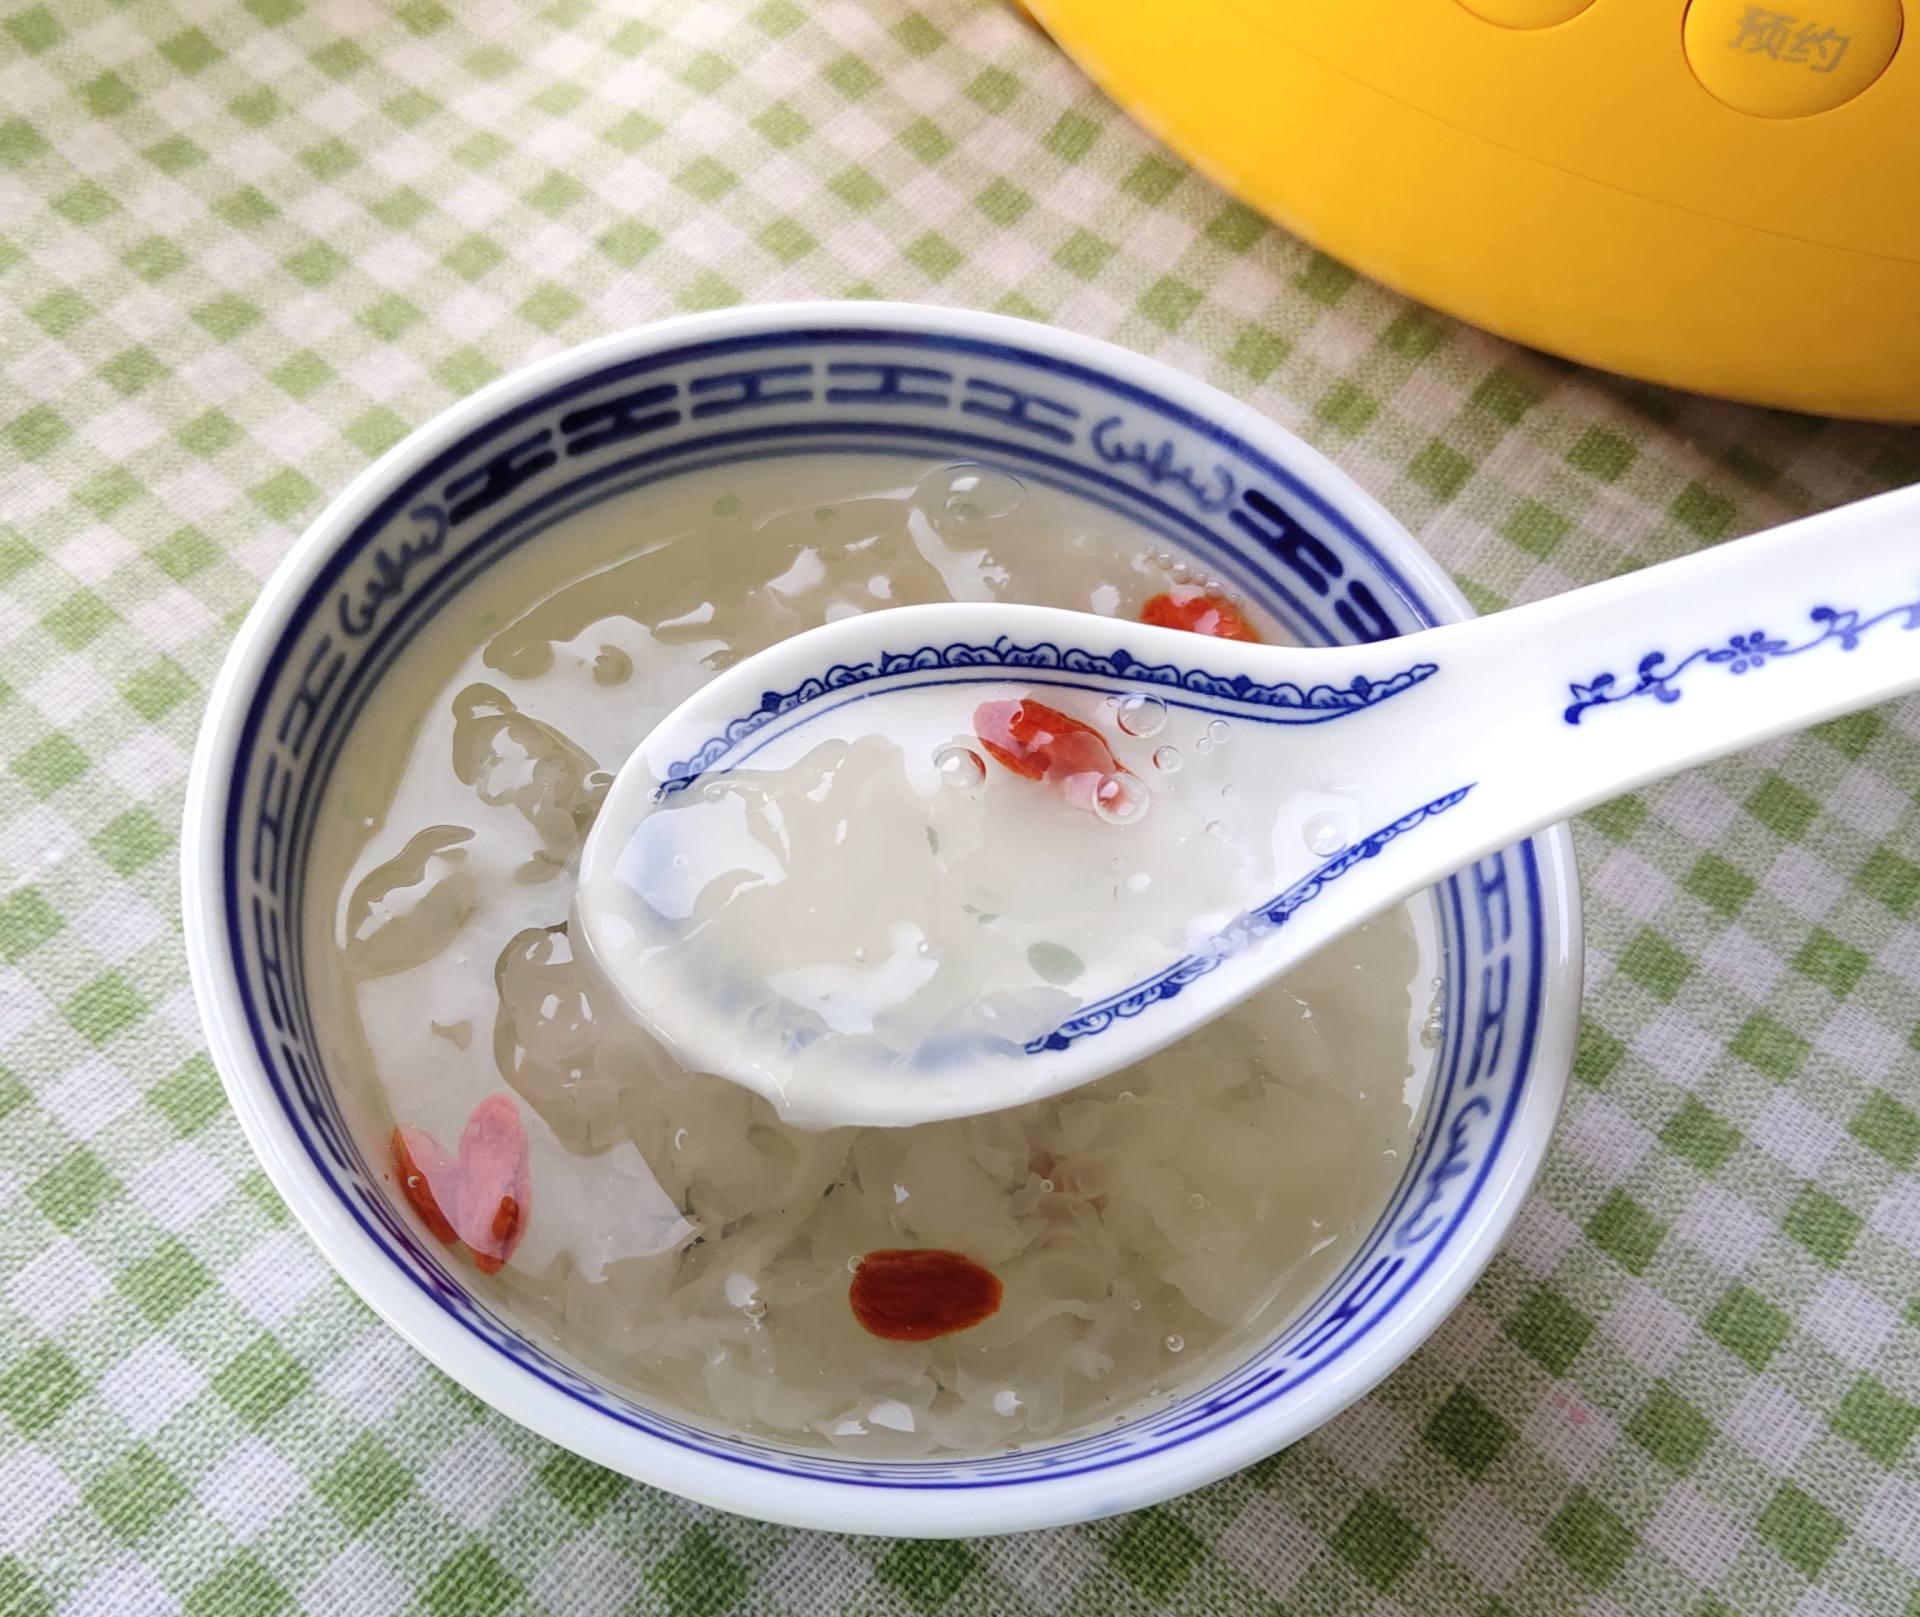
column 245, row 246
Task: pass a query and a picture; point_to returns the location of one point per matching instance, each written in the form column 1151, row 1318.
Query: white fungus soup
column 957, row 1287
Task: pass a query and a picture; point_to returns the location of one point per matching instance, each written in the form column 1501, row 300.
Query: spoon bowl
column 926, row 670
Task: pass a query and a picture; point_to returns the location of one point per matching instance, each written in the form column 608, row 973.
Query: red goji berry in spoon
column 1042, row 743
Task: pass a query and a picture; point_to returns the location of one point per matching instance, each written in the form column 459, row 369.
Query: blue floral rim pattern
column 874, row 390
column 1281, row 703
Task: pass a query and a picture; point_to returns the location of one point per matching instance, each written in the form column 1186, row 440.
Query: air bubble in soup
column 667, row 1230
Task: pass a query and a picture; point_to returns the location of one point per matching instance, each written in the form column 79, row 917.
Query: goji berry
column 408, row 1146
column 486, row 1188
column 1199, row 614
column 1041, row 742
column 505, row 1231
column 906, row 1295
column 493, row 1182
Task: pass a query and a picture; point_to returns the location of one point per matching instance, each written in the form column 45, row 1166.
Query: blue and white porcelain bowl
column 599, row 422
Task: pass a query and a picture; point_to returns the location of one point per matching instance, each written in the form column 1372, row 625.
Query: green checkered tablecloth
column 245, row 246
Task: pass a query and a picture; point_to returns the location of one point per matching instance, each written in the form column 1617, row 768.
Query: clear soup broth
column 958, row 1287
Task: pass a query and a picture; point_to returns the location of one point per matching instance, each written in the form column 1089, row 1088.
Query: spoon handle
column 1549, row 708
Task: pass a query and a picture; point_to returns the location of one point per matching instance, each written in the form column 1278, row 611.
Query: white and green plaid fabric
column 246, row 244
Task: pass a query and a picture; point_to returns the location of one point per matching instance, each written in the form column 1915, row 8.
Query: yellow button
column 1786, row 61
column 1526, row 13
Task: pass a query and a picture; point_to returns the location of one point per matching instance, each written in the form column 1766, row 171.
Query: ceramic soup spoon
column 1164, row 821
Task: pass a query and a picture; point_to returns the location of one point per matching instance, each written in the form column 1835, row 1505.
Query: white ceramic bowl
column 1177, row 456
